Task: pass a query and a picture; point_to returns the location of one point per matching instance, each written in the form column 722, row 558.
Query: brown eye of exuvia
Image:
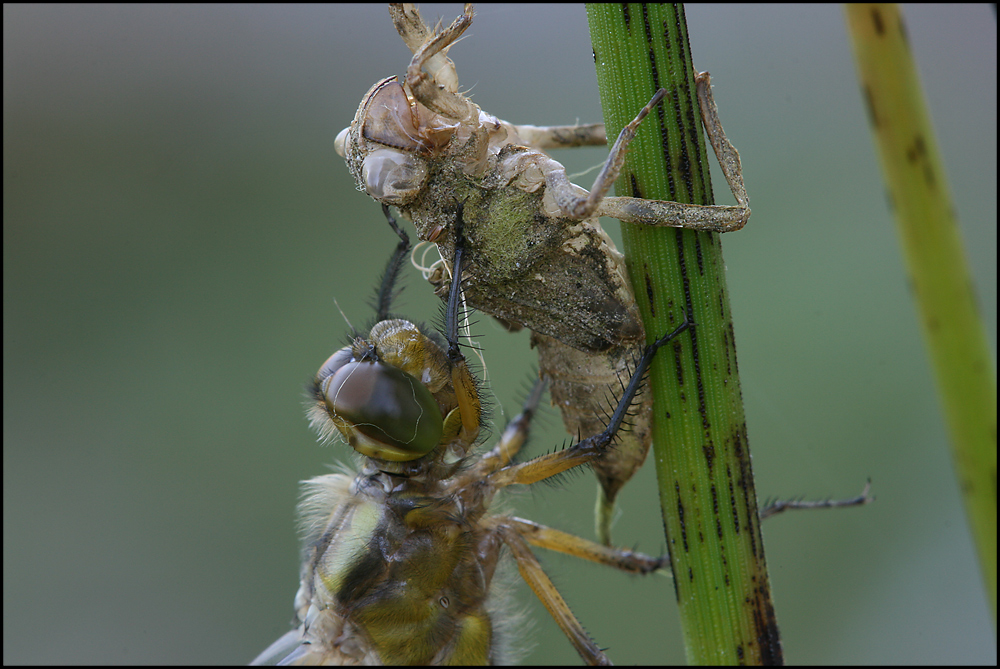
column 392, row 176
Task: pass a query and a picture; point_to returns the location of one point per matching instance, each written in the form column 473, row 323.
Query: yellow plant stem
column 935, row 260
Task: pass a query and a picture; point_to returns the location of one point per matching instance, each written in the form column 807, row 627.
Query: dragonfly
column 401, row 555
column 537, row 256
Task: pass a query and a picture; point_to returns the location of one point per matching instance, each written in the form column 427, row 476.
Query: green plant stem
column 938, row 272
column 700, row 438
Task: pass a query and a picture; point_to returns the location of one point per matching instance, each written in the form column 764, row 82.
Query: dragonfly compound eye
column 387, row 413
column 334, row 363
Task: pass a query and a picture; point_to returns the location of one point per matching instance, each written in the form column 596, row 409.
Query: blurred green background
column 177, row 226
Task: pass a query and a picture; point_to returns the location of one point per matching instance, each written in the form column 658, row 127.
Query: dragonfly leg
column 466, row 389
column 415, row 33
column 716, row 218
column 511, row 441
column 570, row 544
column 573, row 200
column 591, row 448
column 778, row 506
column 561, row 136
column 639, row 563
column 532, row 572
column 578, row 204
column 427, row 64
